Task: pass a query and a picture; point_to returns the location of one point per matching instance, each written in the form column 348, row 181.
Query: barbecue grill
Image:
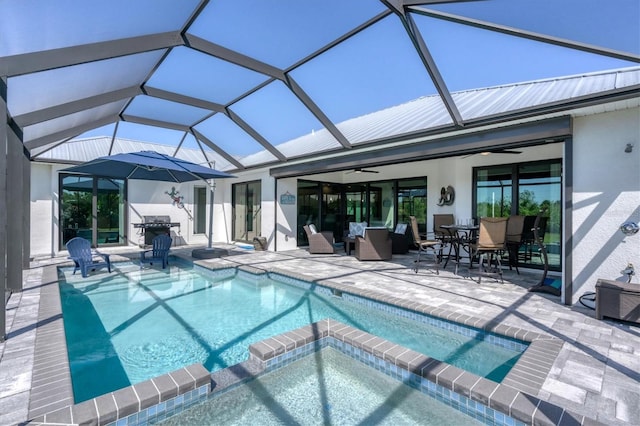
column 153, row 226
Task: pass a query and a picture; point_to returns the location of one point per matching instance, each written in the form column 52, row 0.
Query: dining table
column 461, row 236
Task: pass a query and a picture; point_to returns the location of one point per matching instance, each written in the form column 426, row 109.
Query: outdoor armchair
column 84, row 258
column 376, row 244
column 401, row 238
column 161, row 245
column 319, row 242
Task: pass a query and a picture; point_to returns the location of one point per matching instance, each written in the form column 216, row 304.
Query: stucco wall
column 287, row 216
column 144, row 198
column 42, row 212
column 606, row 193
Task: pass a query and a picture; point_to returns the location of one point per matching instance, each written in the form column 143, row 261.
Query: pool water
column 327, row 387
column 125, row 328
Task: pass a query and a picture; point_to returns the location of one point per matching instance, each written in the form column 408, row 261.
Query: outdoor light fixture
column 629, row 271
column 629, row 228
column 629, row 148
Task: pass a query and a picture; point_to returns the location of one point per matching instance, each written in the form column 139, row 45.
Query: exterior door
column 92, row 208
column 525, row 189
column 247, row 215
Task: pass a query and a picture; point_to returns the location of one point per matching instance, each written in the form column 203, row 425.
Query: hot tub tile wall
column 528, row 374
column 487, row 401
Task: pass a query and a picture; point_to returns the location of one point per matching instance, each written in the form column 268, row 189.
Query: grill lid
column 156, row 219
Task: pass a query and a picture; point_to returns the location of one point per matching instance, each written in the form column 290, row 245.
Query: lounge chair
column 319, row 242
column 375, row 245
column 84, row 258
column 161, row 244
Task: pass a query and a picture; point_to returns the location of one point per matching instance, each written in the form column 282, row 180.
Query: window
column 200, row 207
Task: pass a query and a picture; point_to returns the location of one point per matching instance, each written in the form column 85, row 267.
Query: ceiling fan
column 494, row 151
column 361, row 170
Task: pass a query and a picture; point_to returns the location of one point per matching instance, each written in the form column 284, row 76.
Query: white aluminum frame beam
column 27, row 63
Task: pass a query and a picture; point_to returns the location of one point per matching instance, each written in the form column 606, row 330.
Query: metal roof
column 419, row 114
column 247, row 83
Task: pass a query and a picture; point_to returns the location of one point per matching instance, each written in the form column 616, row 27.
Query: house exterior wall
column 606, row 193
column 43, row 226
column 287, row 216
column 144, row 198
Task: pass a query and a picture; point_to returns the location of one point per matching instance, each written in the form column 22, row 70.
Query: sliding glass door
column 412, row 201
column 331, row 206
column 525, row 189
column 92, row 208
column 494, row 187
column 247, row 216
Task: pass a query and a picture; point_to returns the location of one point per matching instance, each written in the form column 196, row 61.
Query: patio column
column 3, row 211
column 567, row 222
column 26, row 209
column 14, row 208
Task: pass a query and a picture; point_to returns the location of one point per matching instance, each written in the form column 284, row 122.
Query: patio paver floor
column 597, row 372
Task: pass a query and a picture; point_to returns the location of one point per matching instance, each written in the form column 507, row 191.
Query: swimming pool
column 126, row 328
column 327, row 387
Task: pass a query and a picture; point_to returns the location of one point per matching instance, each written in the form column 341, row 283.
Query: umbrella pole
column 210, row 252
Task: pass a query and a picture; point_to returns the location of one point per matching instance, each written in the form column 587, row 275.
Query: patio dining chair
column 492, row 240
column 515, row 228
column 443, row 235
column 84, row 258
column 161, row 245
column 426, row 246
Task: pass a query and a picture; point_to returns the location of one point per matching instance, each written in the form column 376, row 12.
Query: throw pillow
column 357, row 228
column 312, row 228
column 401, row 228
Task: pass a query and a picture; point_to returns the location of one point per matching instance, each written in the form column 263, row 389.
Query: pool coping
column 52, row 394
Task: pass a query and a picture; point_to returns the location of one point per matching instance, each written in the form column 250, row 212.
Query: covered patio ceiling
column 250, row 83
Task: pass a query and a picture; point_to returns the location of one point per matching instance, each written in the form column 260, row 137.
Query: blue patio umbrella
column 151, row 165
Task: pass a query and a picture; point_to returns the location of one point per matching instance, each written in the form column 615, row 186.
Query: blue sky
column 375, row 69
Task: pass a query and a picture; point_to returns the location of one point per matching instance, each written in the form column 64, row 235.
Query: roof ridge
column 559, row 78
column 502, row 86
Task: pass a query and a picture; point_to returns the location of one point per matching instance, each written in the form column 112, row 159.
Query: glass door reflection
column 110, row 211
